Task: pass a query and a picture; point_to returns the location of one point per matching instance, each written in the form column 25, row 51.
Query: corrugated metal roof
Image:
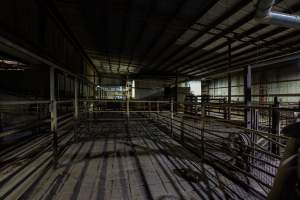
column 169, row 36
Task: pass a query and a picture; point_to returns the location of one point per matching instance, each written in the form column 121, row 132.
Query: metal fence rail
column 234, row 149
column 248, row 156
column 23, row 120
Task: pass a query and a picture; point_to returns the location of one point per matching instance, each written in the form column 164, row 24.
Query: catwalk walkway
column 113, row 161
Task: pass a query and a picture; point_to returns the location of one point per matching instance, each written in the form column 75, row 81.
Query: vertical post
column 76, row 98
column 94, row 92
column 176, row 92
column 275, row 124
column 81, row 89
column 202, row 126
column 172, row 115
column 70, row 87
column 65, row 85
column 247, row 102
column 229, row 81
column 39, row 118
column 247, row 96
column 229, row 98
column 270, row 118
column 149, row 108
column 157, row 109
column 75, row 108
column 127, row 99
column 1, row 126
column 127, row 107
column 53, row 112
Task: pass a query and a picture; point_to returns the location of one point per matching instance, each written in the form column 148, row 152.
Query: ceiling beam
column 54, row 13
column 207, row 56
column 162, row 31
column 216, row 22
column 221, row 60
column 266, row 44
column 149, row 12
column 124, row 32
column 161, row 53
column 243, row 60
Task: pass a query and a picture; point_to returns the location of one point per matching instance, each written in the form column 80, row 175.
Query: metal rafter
column 196, row 50
column 253, row 50
column 54, row 13
column 195, row 66
column 124, row 33
column 260, row 38
column 249, row 58
column 238, row 66
column 216, row 22
column 159, row 55
column 106, row 36
column 156, row 39
column 142, row 30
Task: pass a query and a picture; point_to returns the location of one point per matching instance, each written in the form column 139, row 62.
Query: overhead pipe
column 265, row 14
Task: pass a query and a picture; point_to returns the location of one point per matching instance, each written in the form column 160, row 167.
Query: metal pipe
column 265, row 14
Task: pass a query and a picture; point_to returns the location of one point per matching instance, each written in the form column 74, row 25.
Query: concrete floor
column 113, row 161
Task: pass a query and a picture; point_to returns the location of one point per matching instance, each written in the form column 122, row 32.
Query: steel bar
column 275, row 125
column 221, row 18
column 76, row 98
column 247, row 95
column 5, row 103
column 53, row 111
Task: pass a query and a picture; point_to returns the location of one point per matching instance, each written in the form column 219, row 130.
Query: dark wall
column 28, row 24
column 26, row 83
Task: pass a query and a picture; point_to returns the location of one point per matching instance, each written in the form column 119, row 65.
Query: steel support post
column 64, row 85
column 81, row 89
column 75, row 108
column 149, row 108
column 275, row 125
column 127, row 105
column 247, row 96
column 229, row 82
column 94, row 92
column 53, row 111
column 202, row 127
column 182, row 129
column 157, row 110
column 76, row 99
column 1, row 128
column 172, row 115
column 229, row 98
column 38, row 110
column 127, row 99
column 176, row 92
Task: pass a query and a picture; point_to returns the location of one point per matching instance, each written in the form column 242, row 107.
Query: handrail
column 120, row 101
column 23, row 102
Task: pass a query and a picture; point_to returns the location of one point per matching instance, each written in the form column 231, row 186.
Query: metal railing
column 252, row 153
column 247, row 152
column 123, row 105
column 31, row 119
